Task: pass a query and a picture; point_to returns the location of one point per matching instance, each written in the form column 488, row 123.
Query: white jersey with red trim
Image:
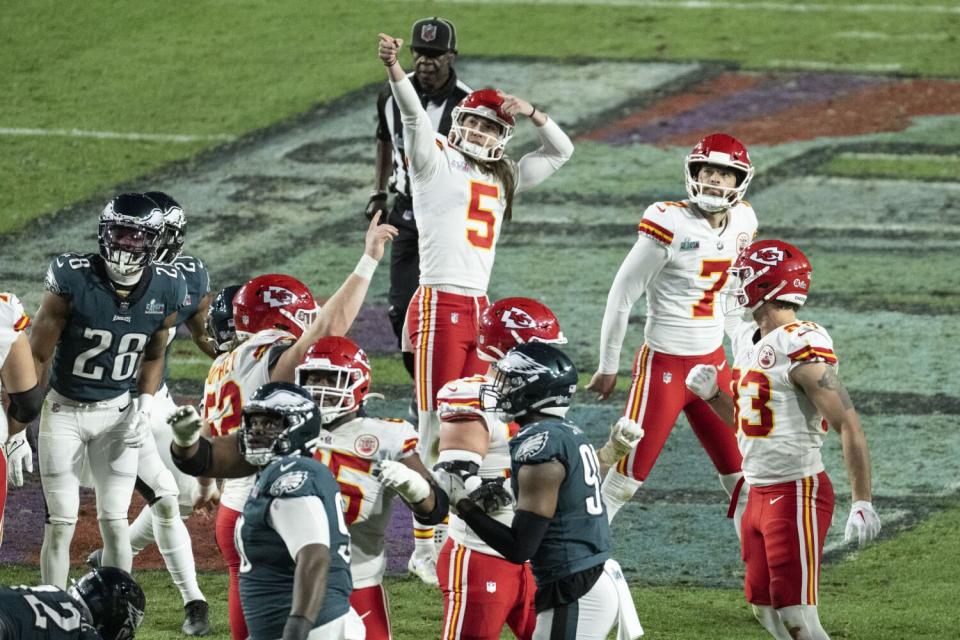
column 779, row 431
column 684, row 313
column 351, row 451
column 233, row 378
column 459, row 401
column 12, row 321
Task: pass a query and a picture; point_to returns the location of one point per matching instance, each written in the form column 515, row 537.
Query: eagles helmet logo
column 532, row 446
column 288, row 483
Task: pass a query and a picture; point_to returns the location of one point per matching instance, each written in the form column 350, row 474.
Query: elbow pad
column 441, row 505
column 198, row 463
column 25, row 405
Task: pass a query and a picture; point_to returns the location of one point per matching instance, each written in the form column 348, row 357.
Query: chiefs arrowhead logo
column 278, row 296
column 514, row 318
column 770, row 256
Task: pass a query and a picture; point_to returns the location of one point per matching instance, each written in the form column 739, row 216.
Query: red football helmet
column 487, row 104
column 770, row 270
column 273, row 301
column 345, row 373
column 512, row 321
column 721, row 150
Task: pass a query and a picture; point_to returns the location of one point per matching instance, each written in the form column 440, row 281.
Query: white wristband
column 366, row 267
column 144, row 400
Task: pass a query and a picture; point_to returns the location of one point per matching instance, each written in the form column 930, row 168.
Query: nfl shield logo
column 428, row 32
column 667, row 377
column 491, row 586
column 454, row 318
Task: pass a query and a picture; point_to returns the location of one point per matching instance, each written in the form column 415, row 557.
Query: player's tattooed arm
column 48, row 324
column 831, row 381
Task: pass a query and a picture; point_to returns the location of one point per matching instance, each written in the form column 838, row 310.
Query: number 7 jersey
column 779, row 431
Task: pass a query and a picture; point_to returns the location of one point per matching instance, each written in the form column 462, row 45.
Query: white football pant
column 163, row 521
column 69, row 432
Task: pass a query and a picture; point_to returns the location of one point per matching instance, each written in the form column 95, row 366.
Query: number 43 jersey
column 99, row 352
column 351, row 451
column 779, row 431
column 578, row 536
column 42, row 613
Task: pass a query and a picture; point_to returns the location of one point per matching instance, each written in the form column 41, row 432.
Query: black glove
column 377, row 202
column 492, row 495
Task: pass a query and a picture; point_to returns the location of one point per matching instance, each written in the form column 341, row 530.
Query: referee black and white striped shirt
column 390, row 129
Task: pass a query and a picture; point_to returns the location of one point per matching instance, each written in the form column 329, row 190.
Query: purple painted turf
column 772, row 94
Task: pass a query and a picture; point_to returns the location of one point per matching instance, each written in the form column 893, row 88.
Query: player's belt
column 120, row 401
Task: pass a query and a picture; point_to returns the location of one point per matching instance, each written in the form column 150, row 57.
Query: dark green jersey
column 266, row 568
column 98, row 355
column 578, row 536
column 42, row 613
column 198, row 287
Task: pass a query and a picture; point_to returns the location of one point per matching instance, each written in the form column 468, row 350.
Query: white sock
column 55, row 554
column 116, row 544
column 617, row 489
column 173, row 541
column 141, row 531
column 769, row 619
column 423, row 543
column 803, row 622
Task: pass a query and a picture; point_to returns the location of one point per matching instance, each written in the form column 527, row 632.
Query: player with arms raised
column 680, row 262
column 785, row 394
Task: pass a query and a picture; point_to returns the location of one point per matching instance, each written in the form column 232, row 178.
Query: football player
column 18, row 379
column 785, row 394
column 560, row 524
column 168, row 492
column 373, row 460
column 463, row 188
column 104, row 604
column 101, row 330
column 680, row 263
column 276, row 320
column 292, row 538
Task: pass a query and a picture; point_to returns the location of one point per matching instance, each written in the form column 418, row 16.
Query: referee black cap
column 434, row 34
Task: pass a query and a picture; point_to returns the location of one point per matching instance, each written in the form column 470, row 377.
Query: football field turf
column 259, row 117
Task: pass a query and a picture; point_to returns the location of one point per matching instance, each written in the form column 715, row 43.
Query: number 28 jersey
column 232, row 378
column 779, row 431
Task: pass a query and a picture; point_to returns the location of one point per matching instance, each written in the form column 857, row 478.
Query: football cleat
column 196, row 620
column 424, row 566
column 95, row 559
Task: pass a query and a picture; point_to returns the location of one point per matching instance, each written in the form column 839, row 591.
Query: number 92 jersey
column 578, row 536
column 98, row 355
column 779, row 431
column 42, row 613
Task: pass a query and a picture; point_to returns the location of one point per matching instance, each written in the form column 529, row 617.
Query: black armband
column 25, row 405
column 441, row 506
column 198, row 463
column 516, row 543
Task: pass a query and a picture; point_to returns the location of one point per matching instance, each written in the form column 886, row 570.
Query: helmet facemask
column 171, row 241
column 127, row 247
column 336, row 390
column 493, row 146
column 264, row 436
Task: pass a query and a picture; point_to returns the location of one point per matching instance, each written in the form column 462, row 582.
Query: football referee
column 434, row 47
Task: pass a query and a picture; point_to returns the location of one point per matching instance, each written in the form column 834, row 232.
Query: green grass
column 896, row 589
column 889, row 165
column 213, row 67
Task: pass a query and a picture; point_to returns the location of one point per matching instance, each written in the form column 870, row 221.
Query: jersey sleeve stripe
column 814, row 354
column 22, row 323
column 655, row 231
column 409, row 445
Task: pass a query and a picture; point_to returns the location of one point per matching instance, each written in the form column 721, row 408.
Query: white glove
column 863, row 523
column 409, row 484
column 19, row 458
column 625, row 434
column 702, row 380
column 185, row 423
column 456, row 484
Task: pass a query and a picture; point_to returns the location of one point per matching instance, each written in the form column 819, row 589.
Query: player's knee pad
column 802, row 622
column 115, row 531
column 61, row 520
column 166, row 511
column 60, row 533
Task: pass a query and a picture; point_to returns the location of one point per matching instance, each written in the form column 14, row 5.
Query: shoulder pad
column 64, row 271
column 460, row 400
column 658, row 222
column 809, row 342
column 12, row 315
